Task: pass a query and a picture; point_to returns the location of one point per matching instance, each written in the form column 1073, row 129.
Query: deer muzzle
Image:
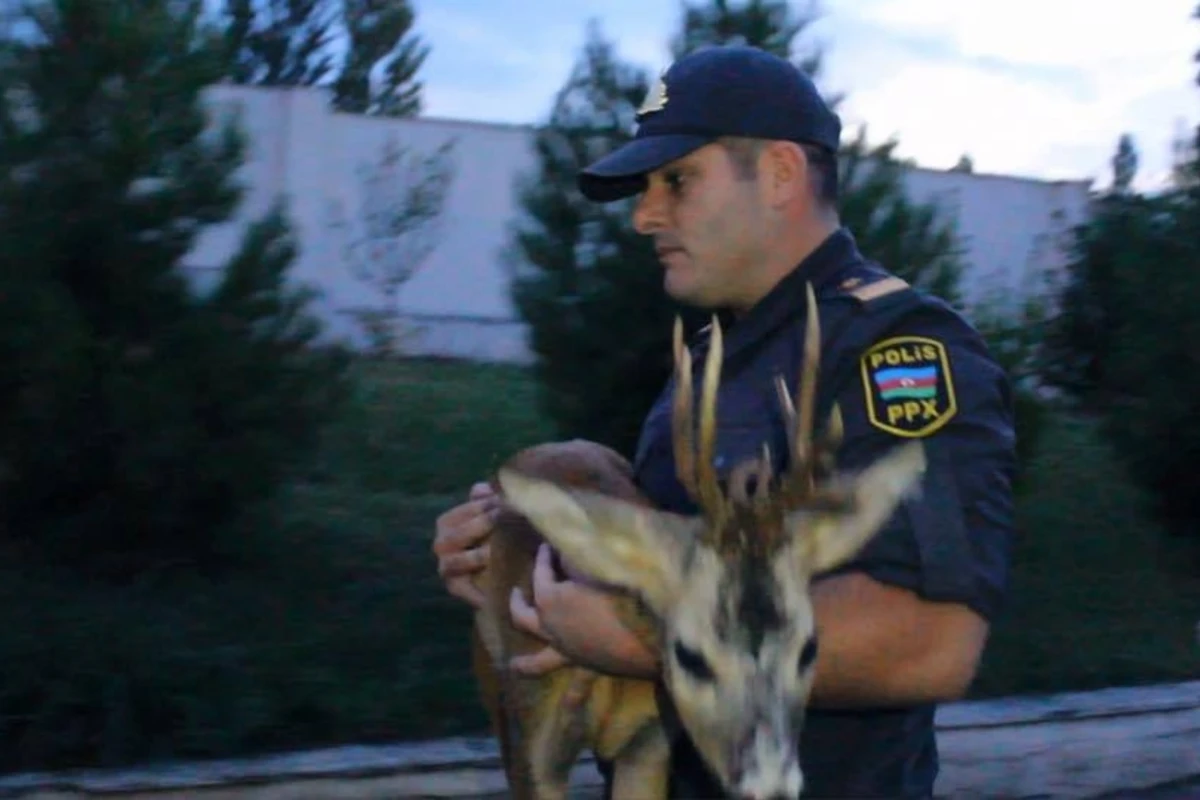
column 766, row 763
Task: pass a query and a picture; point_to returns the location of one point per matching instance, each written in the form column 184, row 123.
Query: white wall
column 458, row 300
column 1013, row 229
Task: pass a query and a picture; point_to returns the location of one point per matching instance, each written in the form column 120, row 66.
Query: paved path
column 1188, row 791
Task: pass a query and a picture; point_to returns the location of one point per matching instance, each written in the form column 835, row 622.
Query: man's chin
column 687, row 295
column 678, row 288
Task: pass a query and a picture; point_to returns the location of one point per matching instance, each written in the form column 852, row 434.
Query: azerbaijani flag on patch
column 907, row 383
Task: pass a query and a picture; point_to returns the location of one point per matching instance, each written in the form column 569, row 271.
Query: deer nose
column 788, row 784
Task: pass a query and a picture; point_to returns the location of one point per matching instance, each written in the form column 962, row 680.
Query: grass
column 431, row 427
column 341, row 632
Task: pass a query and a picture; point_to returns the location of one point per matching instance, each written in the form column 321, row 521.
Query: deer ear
column 826, row 541
column 616, row 542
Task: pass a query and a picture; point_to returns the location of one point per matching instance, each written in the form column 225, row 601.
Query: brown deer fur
column 544, row 723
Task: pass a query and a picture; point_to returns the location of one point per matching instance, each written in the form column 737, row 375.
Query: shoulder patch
column 908, row 386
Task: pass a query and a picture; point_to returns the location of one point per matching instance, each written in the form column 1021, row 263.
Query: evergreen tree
column 138, row 418
column 1123, row 340
column 1150, row 385
column 380, row 36
column 1185, row 146
column 773, row 25
column 590, row 287
column 288, row 43
column 278, row 42
column 1124, row 164
column 915, row 240
column 1091, row 307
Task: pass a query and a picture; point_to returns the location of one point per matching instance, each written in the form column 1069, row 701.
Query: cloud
column 939, row 114
column 1071, row 33
column 1029, row 87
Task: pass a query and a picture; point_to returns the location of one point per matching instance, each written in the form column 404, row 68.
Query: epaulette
column 876, row 289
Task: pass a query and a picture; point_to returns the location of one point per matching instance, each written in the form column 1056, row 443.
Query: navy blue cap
column 725, row 90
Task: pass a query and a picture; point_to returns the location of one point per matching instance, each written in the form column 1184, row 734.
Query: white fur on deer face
column 737, row 627
column 739, row 649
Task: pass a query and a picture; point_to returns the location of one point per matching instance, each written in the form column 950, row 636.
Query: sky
column 1032, row 88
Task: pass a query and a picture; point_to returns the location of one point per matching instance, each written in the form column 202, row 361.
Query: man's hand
column 462, row 553
column 459, row 542
column 580, row 623
column 525, row 617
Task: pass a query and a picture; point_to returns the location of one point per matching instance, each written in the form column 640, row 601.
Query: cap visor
column 622, row 172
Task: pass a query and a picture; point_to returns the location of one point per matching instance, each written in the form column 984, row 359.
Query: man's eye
column 674, row 181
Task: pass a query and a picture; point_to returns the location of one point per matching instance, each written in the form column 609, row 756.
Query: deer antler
column 810, row 457
column 698, row 475
column 756, row 501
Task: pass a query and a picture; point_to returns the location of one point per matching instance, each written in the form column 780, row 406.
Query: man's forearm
column 613, row 643
column 883, row 646
column 622, row 655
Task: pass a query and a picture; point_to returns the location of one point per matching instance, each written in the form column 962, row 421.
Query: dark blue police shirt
column 899, row 366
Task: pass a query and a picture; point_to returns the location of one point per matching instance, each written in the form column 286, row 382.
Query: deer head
column 730, row 587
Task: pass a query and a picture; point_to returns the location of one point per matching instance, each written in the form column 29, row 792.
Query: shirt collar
column 824, row 265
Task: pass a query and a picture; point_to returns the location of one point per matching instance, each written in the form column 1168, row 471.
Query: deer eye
column 693, row 663
column 809, row 653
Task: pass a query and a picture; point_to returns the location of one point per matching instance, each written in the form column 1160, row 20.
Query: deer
column 724, row 595
column 543, row 724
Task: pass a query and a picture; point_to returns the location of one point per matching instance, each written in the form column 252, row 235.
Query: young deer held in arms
column 543, row 723
column 730, row 588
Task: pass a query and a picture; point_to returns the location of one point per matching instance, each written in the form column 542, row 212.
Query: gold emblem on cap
column 656, row 98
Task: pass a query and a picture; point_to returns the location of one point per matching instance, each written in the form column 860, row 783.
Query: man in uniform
column 734, row 170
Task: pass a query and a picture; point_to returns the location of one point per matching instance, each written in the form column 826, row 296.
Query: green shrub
column 343, row 635
column 1094, row 599
column 335, row 627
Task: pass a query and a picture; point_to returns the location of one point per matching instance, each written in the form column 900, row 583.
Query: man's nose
column 648, row 214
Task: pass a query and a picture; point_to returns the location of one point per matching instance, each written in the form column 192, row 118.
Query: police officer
column 735, row 177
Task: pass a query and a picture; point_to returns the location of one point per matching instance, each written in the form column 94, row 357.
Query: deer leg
column 559, row 734
column 642, row 769
column 629, row 734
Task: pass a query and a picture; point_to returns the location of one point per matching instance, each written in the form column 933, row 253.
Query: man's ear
column 784, row 172
column 614, row 541
column 825, row 541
